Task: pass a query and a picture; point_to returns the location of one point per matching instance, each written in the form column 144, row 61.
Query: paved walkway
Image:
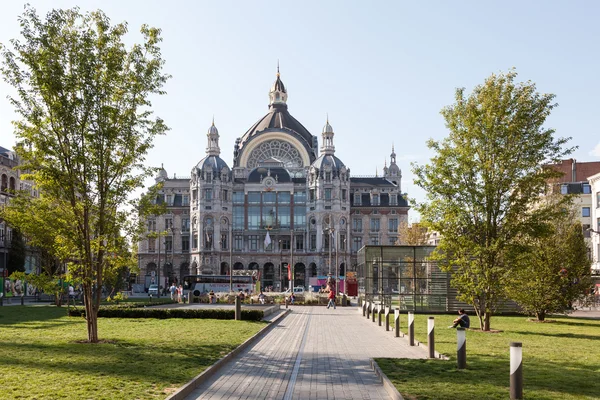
column 313, row 353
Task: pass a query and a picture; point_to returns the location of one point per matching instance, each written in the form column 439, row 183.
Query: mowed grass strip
column 561, row 360
column 139, row 358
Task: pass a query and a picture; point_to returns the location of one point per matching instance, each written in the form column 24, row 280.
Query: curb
column 198, row 380
column 387, row 384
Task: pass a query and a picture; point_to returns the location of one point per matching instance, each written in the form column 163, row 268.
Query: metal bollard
column 430, row 337
column 379, row 312
column 286, row 303
column 23, row 299
column 374, row 308
column 364, row 309
column 368, row 310
column 397, row 322
column 516, row 371
column 387, row 318
column 238, row 309
column 411, row 328
column 461, row 348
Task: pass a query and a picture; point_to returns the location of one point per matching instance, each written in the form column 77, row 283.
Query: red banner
column 289, row 272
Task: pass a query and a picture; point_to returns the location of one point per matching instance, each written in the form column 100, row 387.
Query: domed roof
column 327, row 128
column 162, row 174
column 214, row 162
column 213, row 129
column 278, row 85
column 328, row 160
column 279, row 118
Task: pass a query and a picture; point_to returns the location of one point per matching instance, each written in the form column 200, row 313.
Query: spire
column 212, row 148
column 393, row 170
column 376, row 174
column 278, row 93
column 328, row 147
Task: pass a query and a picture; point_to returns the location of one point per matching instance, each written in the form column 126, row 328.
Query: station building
column 283, row 201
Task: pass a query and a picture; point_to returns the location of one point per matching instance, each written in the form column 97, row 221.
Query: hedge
column 164, row 313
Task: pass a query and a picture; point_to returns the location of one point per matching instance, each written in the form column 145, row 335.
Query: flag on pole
column 267, row 240
column 289, row 272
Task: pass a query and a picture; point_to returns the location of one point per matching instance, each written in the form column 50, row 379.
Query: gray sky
column 382, row 70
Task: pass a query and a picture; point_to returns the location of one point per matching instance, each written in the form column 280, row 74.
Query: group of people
column 176, row 292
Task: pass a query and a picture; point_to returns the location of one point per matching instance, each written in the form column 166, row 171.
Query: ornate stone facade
column 281, row 203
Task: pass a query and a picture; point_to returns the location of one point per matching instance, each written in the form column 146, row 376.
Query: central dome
column 278, row 119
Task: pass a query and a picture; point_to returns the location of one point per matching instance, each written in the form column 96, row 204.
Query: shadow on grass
column 22, row 314
column 573, row 322
column 566, row 335
column 167, row 363
column 487, row 378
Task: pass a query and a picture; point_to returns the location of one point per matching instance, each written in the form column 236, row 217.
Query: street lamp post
column 158, row 268
column 280, row 267
column 231, row 258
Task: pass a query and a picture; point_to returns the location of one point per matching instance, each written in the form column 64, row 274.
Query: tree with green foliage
column 551, row 270
column 482, row 181
column 85, row 126
column 16, row 253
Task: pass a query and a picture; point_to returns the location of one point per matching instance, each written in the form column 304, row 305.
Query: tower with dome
column 284, row 200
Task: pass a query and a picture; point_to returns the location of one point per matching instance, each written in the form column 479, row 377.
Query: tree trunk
column 541, row 316
column 91, row 314
column 487, row 317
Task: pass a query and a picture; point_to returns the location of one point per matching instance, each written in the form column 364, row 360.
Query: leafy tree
column 552, row 270
column 16, row 253
column 414, row 234
column 482, row 180
column 85, row 125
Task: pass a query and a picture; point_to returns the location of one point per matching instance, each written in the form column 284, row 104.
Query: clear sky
column 382, row 70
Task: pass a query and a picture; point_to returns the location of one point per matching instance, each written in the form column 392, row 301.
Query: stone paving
column 313, row 353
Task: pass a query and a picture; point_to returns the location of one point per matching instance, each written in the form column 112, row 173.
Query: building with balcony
column 284, row 200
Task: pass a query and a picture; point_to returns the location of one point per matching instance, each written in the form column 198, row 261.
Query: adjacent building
column 10, row 183
column 575, row 181
column 594, row 182
column 284, row 200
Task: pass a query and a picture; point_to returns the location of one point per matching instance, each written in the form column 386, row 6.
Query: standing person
column 211, row 297
column 331, row 299
column 173, row 290
column 179, row 294
column 261, row 297
column 462, row 320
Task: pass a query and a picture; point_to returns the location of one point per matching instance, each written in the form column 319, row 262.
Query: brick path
column 313, row 353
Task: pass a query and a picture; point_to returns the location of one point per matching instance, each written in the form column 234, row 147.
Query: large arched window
column 277, row 149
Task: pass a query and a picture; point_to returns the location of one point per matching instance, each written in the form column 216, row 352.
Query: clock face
column 269, row 182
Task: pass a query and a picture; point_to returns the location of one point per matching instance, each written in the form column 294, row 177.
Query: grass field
column 40, row 357
column 561, row 360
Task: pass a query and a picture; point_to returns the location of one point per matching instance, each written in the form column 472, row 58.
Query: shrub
column 164, row 313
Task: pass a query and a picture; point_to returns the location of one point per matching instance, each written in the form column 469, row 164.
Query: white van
column 297, row 290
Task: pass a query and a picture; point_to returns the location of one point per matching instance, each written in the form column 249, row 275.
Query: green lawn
column 143, row 358
column 561, row 360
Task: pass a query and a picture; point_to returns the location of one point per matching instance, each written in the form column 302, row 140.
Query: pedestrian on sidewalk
column 173, row 290
column 331, row 298
column 179, row 294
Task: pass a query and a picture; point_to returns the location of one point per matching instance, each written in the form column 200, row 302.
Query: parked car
column 297, row 290
column 153, row 290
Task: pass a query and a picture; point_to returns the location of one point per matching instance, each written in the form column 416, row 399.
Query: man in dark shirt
column 462, row 320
